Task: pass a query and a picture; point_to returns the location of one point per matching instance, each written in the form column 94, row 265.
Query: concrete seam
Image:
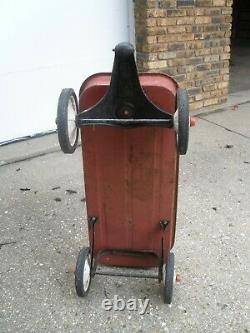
column 225, row 128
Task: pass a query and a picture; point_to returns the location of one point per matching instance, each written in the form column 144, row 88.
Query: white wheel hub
column 174, row 278
column 176, row 121
column 72, row 129
column 164, row 274
column 86, row 274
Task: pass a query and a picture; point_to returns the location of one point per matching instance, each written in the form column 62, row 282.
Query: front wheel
column 66, row 126
column 182, row 121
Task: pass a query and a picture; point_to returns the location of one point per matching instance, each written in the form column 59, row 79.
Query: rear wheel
column 66, row 112
column 169, row 279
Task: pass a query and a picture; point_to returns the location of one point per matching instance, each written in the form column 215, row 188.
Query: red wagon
column 133, row 129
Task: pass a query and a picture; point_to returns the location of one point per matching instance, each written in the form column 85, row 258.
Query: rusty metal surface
column 131, row 176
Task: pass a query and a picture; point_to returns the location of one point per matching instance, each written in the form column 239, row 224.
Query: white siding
column 48, row 45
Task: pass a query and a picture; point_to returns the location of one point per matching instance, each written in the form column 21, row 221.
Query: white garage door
column 48, row 45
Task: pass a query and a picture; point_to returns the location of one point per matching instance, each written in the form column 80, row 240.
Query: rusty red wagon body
column 130, row 166
column 131, row 178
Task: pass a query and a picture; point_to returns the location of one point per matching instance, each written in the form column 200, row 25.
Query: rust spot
column 178, row 278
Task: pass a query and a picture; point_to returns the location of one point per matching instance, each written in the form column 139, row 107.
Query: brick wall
column 190, row 43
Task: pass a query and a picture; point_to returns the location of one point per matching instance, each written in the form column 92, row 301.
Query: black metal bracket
column 130, row 275
column 164, row 224
column 92, row 220
column 125, row 104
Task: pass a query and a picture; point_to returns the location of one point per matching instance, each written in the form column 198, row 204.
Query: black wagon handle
column 125, row 103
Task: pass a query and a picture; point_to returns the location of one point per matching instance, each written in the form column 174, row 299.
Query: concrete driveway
column 43, row 226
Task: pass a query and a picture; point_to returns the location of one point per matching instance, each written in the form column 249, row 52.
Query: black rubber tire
column 62, row 121
column 169, row 279
column 83, row 256
column 183, row 120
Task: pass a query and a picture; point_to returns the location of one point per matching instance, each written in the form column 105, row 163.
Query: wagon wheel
column 182, row 121
column 169, row 279
column 66, row 112
column 83, row 272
